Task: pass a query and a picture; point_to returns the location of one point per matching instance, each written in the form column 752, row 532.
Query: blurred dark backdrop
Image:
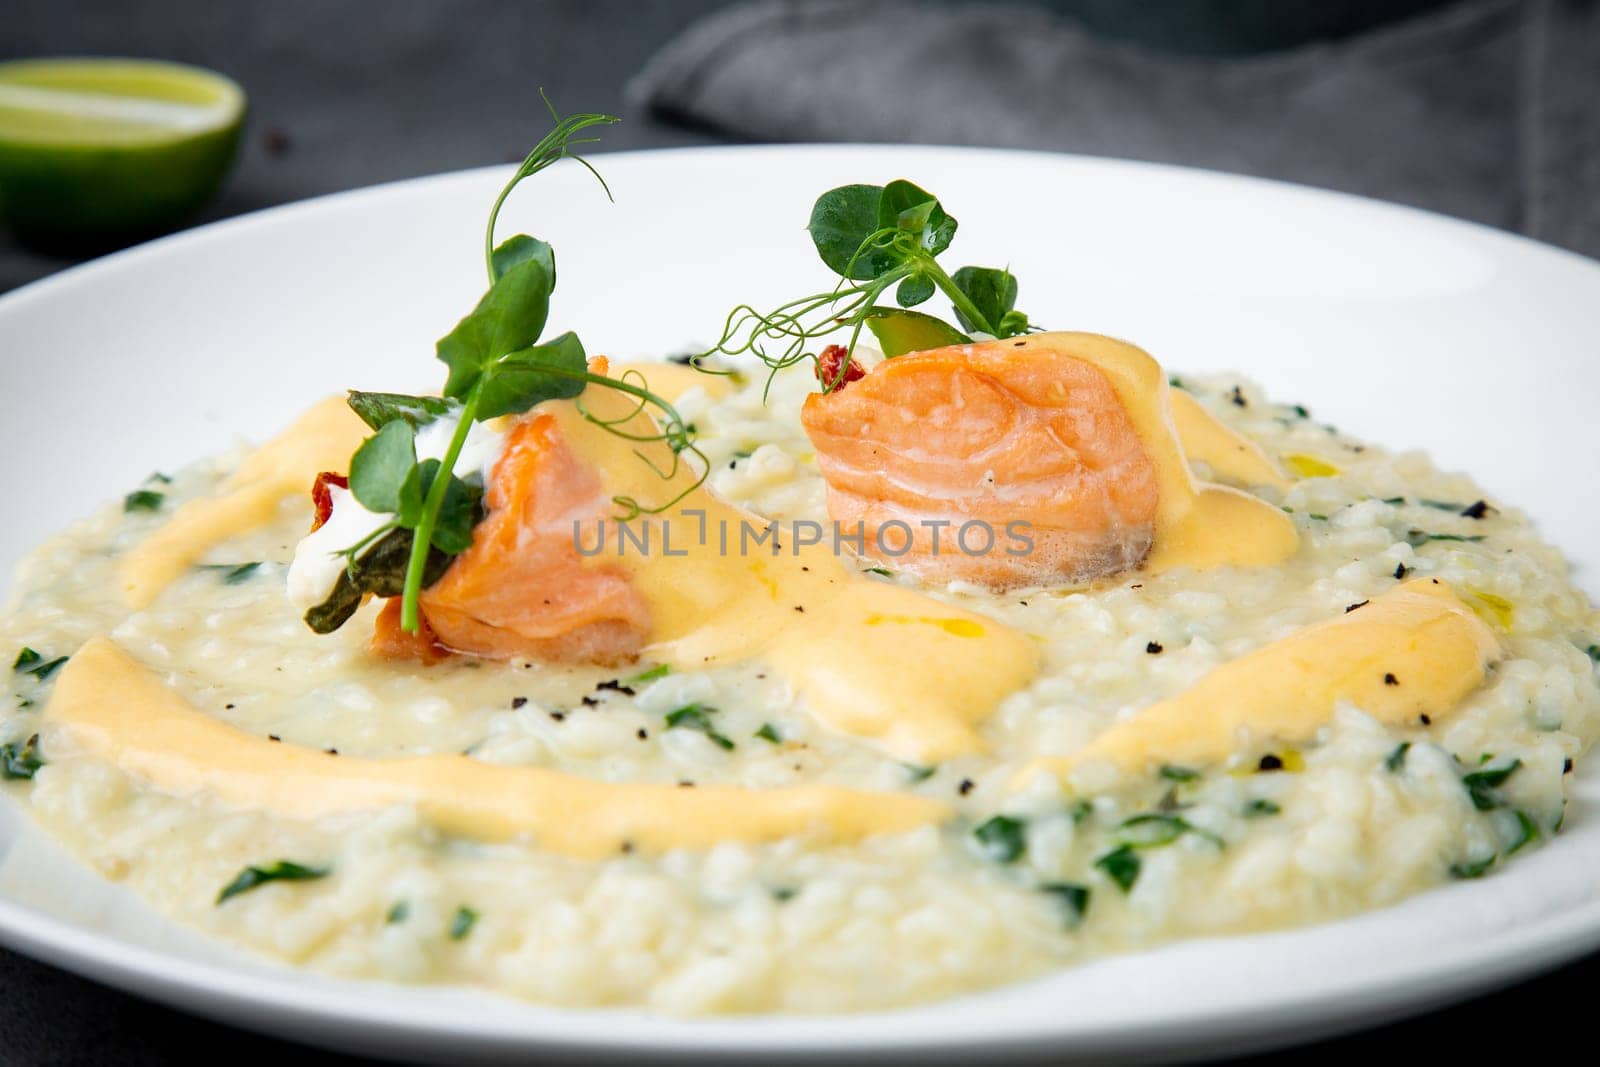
column 345, row 94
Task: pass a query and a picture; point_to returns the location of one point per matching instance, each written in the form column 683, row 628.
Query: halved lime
column 106, row 147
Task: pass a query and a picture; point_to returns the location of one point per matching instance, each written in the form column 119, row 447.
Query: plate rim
column 235, row 996
column 205, row 231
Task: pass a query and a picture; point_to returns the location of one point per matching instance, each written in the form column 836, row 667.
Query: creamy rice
column 799, row 925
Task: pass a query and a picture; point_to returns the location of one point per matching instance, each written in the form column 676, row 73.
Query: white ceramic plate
column 1399, row 326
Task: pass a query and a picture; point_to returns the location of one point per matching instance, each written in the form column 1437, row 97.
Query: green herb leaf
column 1155, row 829
column 1527, row 832
column 398, row 913
column 1179, row 774
column 32, row 663
column 660, row 670
column 534, row 374
column 918, row 772
column 993, row 292
column 142, row 500
column 769, row 732
column 1004, row 839
column 1396, row 760
column 697, row 716
column 1121, row 865
column 1151, row 830
column 462, row 923
column 1012, row 324
column 899, row 331
column 1260, row 806
column 520, row 249
column 904, row 206
column 377, row 410
column 509, row 317
column 915, row 290
column 232, row 573
column 381, row 466
column 1472, row 869
column 1417, row 538
column 1074, row 900
column 282, row 871
column 841, row 220
column 459, row 514
column 20, row 761
column 1481, row 785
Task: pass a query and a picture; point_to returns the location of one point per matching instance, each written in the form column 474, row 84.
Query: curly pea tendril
column 876, row 238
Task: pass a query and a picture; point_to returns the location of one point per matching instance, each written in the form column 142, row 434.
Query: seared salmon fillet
column 1000, row 434
column 523, row 589
column 391, row 641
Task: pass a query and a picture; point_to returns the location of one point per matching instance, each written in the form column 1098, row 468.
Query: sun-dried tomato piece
column 829, row 363
column 322, row 498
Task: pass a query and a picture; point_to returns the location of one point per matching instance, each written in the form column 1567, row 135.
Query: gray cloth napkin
column 1488, row 110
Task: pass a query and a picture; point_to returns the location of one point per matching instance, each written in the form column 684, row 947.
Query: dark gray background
column 348, row 94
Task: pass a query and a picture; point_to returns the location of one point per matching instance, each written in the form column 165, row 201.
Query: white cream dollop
column 479, row 452
column 319, row 557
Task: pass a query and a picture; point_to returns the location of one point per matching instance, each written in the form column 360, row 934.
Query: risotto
column 1246, row 673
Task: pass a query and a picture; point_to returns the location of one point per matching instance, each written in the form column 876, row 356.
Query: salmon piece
column 523, row 591
column 390, row 641
column 993, row 433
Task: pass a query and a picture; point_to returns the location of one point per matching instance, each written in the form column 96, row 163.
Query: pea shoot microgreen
column 877, row 239
column 497, row 364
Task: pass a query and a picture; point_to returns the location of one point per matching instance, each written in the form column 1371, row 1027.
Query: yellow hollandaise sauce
column 1230, row 455
column 117, row 710
column 320, row 440
column 1416, row 650
column 868, row 657
column 1198, row 525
